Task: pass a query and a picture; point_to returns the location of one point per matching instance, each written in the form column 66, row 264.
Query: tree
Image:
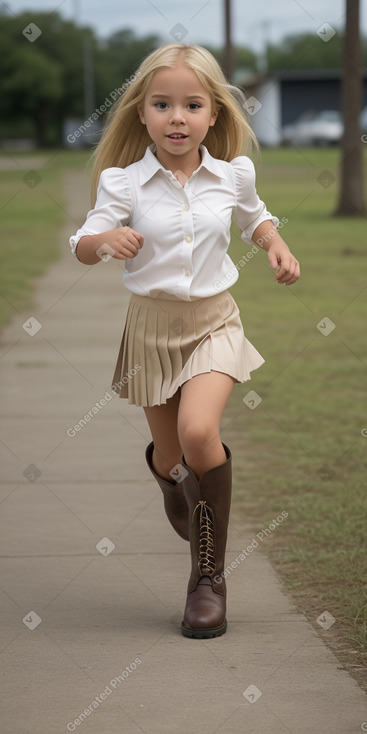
column 351, row 195
column 42, row 82
column 304, row 51
column 34, row 83
column 118, row 57
column 244, row 58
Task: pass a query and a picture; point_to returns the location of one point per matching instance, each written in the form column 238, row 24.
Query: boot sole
column 204, row 634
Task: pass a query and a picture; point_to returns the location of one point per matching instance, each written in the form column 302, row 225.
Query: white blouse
column 186, row 229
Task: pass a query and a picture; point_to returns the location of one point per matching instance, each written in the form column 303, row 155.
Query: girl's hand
column 279, row 254
column 282, row 260
column 124, row 241
column 121, row 243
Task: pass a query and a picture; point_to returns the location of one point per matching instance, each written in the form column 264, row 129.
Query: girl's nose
column 177, row 116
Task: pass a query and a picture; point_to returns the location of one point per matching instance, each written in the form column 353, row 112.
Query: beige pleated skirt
column 166, row 342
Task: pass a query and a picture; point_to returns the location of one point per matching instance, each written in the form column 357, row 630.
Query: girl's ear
column 214, row 116
column 141, row 115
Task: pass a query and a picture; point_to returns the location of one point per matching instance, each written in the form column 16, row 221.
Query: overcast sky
column 202, row 20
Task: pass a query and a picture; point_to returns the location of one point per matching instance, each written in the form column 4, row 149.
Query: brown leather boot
column 209, row 501
column 175, row 503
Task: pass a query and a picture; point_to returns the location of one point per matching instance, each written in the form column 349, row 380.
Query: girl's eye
column 164, row 106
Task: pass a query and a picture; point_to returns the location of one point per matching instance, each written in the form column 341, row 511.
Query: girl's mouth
column 177, row 137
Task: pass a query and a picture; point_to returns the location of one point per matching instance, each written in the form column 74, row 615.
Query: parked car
column 314, row 128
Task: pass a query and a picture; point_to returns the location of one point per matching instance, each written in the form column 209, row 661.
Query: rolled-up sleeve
column 250, row 211
column 112, row 208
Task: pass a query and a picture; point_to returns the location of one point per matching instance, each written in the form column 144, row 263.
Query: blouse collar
column 150, row 165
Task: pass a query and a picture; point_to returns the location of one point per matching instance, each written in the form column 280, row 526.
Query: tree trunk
column 351, row 195
column 41, row 119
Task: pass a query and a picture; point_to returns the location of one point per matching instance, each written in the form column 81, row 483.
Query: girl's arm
column 279, row 254
column 121, row 243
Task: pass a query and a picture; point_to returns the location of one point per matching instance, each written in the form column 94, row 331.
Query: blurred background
column 61, row 62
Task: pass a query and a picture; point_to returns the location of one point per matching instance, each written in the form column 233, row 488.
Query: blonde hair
column 125, row 137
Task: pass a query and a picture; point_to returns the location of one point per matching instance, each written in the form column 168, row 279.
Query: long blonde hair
column 125, row 138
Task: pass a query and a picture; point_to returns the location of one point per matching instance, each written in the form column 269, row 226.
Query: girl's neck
column 182, row 167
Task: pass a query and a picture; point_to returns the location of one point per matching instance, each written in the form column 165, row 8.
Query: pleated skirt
column 166, row 342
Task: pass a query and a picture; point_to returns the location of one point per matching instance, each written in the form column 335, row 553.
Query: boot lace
column 206, row 561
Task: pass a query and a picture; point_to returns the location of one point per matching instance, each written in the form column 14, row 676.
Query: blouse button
column 187, row 272
column 185, row 208
column 188, row 238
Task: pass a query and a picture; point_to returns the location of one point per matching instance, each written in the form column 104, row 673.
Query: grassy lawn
column 31, row 215
column 301, row 449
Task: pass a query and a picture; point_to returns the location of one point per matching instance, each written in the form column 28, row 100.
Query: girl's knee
column 196, row 437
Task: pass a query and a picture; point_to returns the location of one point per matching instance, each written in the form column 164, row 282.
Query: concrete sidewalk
column 98, row 631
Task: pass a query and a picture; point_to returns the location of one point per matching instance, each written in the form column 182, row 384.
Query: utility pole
column 228, row 57
column 263, row 59
column 87, row 65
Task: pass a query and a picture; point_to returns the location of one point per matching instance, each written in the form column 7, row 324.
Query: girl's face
column 177, row 112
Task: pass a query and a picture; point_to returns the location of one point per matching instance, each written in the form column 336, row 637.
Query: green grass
column 301, row 449
column 30, row 218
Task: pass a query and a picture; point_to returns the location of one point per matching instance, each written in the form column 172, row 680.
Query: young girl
column 169, row 173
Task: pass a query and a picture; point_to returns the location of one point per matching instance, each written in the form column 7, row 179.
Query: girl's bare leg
column 162, row 420
column 203, row 399
column 189, row 424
